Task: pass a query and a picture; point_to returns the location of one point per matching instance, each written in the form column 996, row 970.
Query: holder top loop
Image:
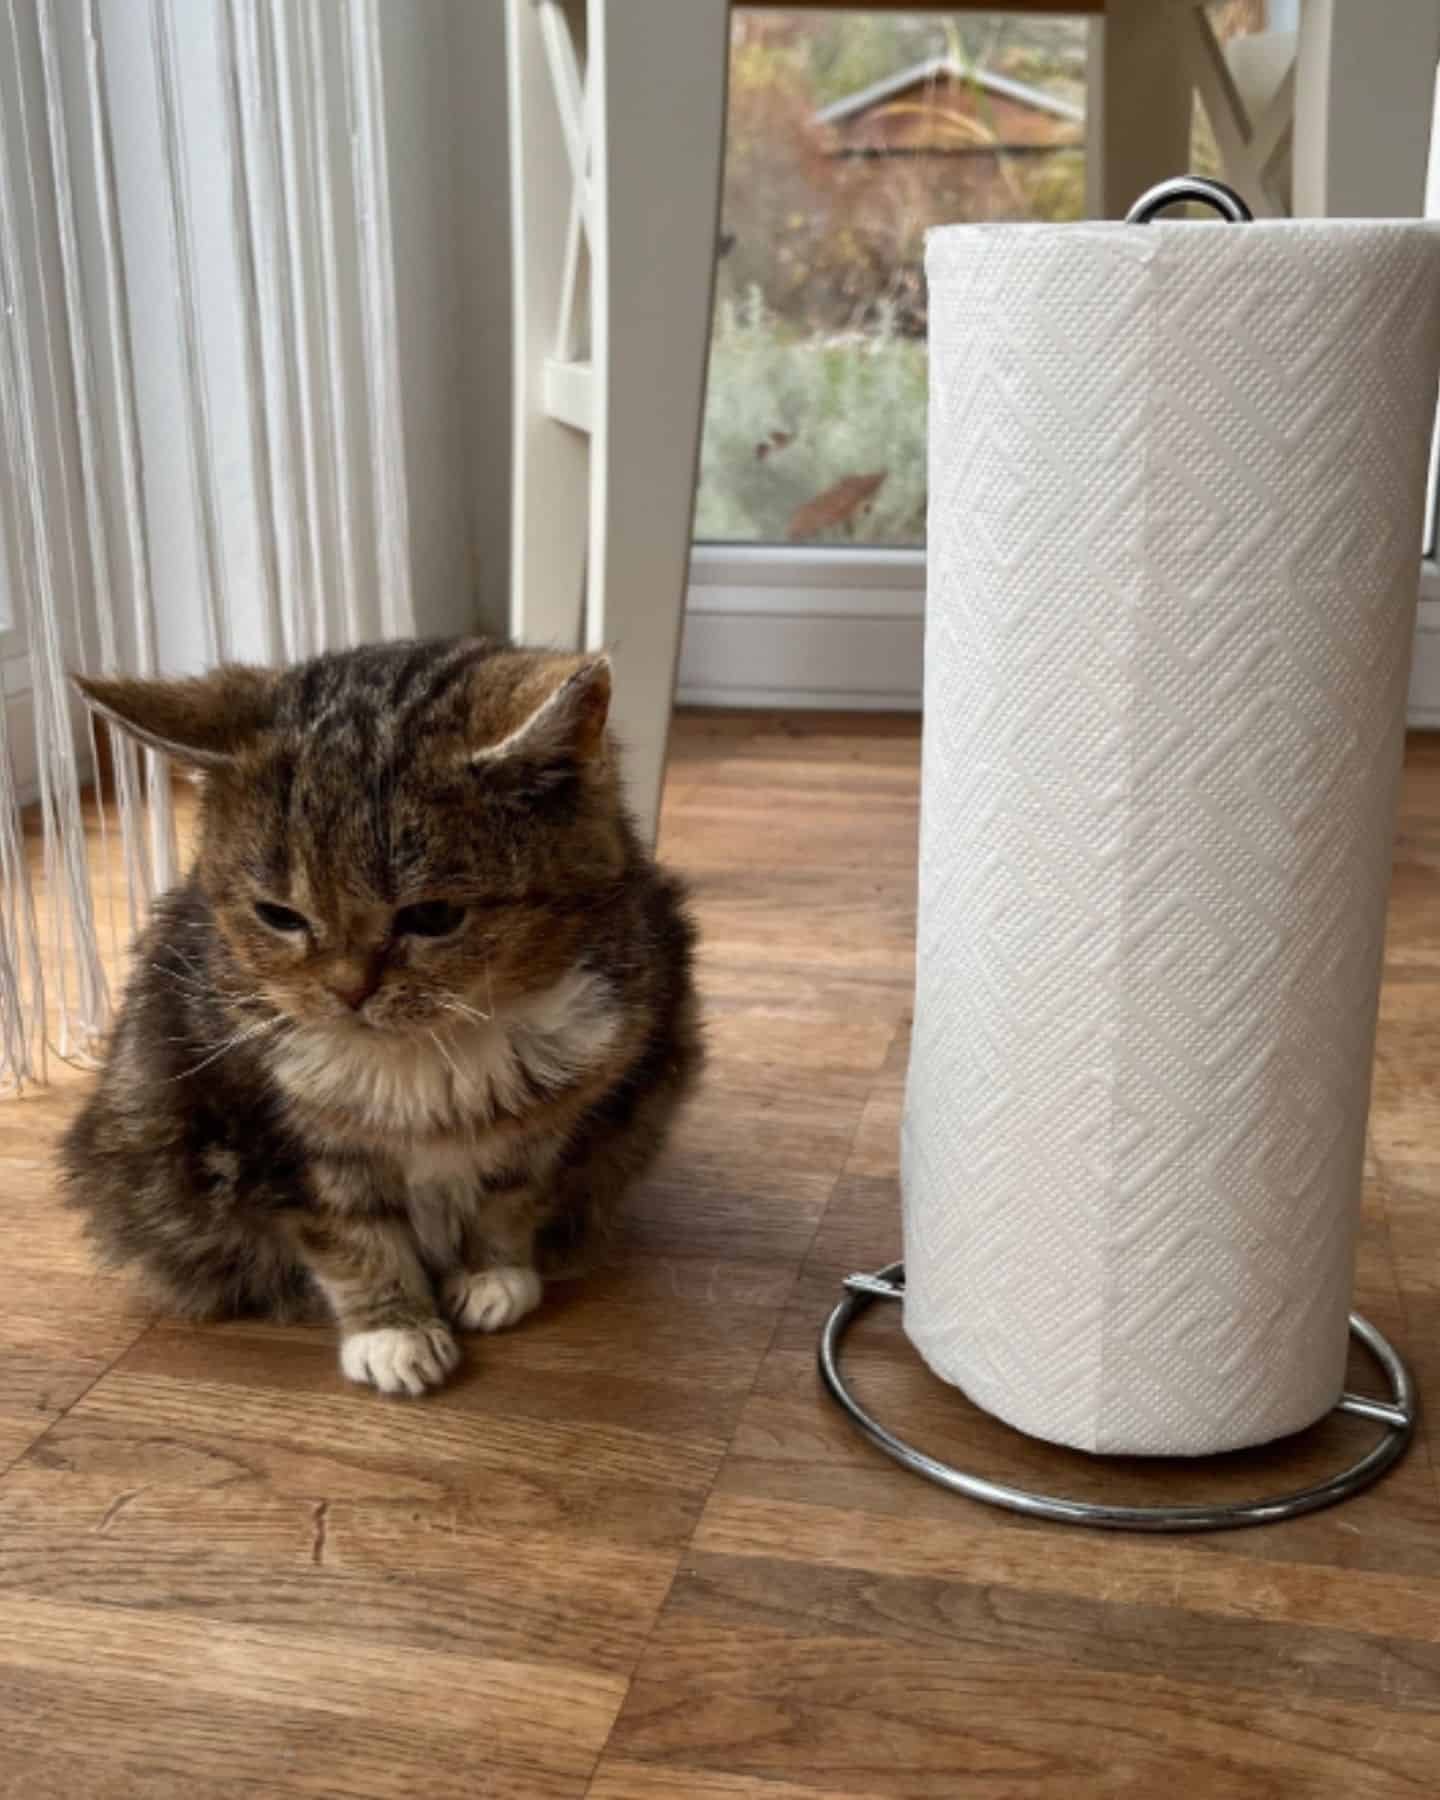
column 1179, row 188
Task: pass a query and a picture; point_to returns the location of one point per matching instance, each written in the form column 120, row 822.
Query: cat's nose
column 353, row 985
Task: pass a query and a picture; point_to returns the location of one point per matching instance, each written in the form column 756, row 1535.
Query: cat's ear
column 559, row 709
column 200, row 720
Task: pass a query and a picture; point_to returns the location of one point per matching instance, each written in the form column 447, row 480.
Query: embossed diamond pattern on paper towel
column 1176, row 478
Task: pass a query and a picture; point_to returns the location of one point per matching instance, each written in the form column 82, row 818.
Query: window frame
column 803, row 625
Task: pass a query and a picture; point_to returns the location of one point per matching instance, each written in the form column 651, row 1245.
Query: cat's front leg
column 497, row 1284
column 491, row 1299
column 391, row 1334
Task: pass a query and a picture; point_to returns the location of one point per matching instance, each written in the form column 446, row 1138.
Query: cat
column 421, row 1008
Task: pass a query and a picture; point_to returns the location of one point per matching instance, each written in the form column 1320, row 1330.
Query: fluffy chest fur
column 304, row 1097
column 431, row 1097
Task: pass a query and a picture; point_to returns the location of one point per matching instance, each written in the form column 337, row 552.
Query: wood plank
column 919, row 1728
column 620, row 1780
column 635, row 1552
column 1188, row 1575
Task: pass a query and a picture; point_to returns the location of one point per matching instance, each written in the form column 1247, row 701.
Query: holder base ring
column 1397, row 1415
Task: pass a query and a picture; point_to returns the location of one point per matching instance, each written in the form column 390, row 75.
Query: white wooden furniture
column 1325, row 115
column 617, row 133
column 616, row 123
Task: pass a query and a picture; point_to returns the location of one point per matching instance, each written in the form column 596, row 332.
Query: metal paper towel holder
column 1180, row 188
column 1397, row 1414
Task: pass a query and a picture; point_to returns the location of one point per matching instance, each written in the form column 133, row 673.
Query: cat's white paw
column 491, row 1299
column 400, row 1359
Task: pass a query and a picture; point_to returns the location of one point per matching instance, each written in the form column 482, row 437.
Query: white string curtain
column 201, row 440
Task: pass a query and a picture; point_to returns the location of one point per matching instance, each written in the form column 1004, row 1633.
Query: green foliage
column 818, row 367
column 870, row 47
column 789, row 416
column 831, row 239
column 1053, row 187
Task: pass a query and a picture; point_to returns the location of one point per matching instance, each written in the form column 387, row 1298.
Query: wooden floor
column 633, row 1553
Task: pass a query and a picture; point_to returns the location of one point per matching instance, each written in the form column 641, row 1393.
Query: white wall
column 482, row 209
column 429, row 250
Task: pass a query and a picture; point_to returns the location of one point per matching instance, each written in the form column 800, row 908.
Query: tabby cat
column 419, row 1011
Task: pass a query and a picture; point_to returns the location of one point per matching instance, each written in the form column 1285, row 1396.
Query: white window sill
column 767, row 625
column 1423, row 711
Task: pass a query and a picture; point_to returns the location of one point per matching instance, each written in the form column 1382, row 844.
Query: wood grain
column 633, row 1553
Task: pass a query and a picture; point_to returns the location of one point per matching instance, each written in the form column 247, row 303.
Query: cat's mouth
column 404, row 1027
column 399, row 1017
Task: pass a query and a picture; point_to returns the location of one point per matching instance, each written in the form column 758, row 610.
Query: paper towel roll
column 1176, row 480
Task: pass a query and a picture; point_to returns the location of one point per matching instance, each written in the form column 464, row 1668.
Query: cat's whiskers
column 462, row 1009
column 231, row 997
column 203, row 979
column 184, row 957
column 199, row 975
column 240, row 1002
column 196, row 969
column 176, row 979
column 230, row 1043
column 446, row 1058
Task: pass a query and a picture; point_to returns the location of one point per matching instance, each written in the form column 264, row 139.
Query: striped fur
column 400, row 1125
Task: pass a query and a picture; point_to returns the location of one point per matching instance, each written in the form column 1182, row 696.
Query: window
column 851, row 133
column 848, row 136
column 1432, row 211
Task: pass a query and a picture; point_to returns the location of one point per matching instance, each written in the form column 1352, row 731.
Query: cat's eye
column 429, row 919
column 280, row 918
